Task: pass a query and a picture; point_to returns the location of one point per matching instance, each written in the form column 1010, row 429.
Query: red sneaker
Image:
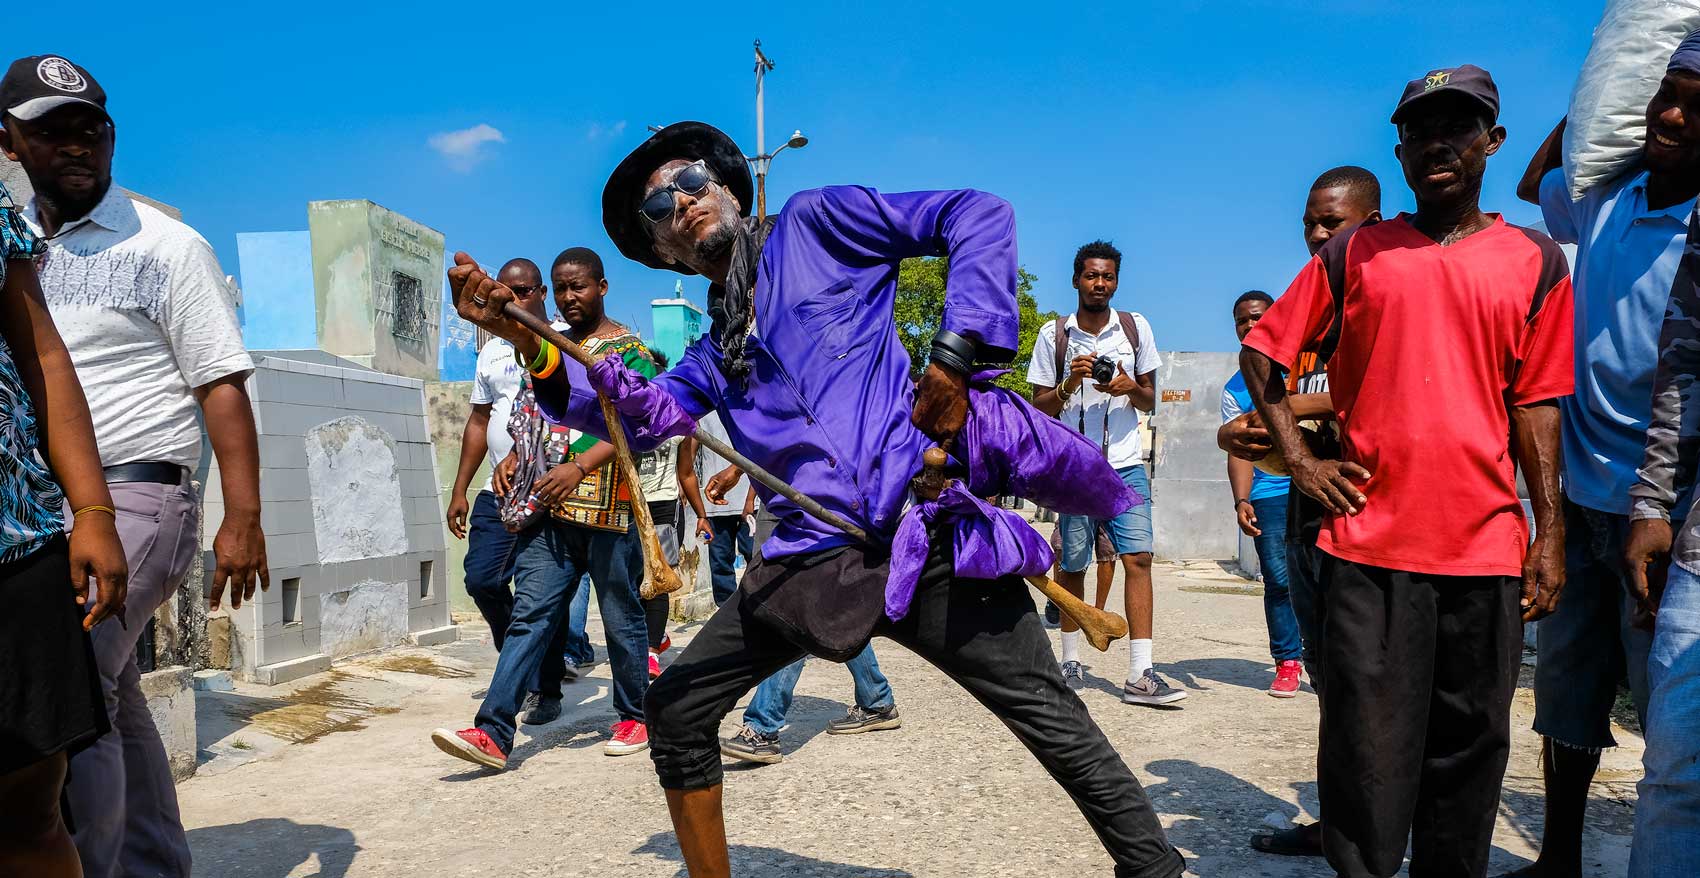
column 630, row 736
column 654, row 666
column 666, row 643
column 472, row 745
column 1287, row 675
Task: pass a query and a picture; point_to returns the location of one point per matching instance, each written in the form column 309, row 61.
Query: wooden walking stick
column 1100, row 626
column 659, row 577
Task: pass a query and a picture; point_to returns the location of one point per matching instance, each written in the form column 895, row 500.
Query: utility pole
column 763, row 160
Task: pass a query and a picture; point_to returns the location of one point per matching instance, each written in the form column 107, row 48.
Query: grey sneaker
column 857, row 720
column 750, row 745
column 1074, row 676
column 1151, row 691
column 539, row 711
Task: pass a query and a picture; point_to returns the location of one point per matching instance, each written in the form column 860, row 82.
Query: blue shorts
column 1590, row 642
column 1130, row 532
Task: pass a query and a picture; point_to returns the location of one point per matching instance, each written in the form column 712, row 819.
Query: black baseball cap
column 1468, row 80
column 40, row 84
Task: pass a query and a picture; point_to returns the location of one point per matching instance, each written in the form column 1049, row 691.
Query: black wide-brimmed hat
column 681, row 140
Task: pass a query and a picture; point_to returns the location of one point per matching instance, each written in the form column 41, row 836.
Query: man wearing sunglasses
column 804, row 365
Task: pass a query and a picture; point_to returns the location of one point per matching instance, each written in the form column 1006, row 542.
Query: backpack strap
column 1130, row 328
column 1062, row 349
column 1333, row 256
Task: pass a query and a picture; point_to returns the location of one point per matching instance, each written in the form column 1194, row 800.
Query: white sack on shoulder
column 1608, row 110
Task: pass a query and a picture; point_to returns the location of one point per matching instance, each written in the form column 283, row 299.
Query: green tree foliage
column 920, row 307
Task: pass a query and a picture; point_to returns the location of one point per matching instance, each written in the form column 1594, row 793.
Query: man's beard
column 69, row 206
column 716, row 244
column 1094, row 308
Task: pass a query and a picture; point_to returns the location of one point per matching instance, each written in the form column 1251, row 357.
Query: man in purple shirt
column 804, row 365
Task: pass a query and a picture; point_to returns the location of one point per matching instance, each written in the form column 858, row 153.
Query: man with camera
column 1094, row 372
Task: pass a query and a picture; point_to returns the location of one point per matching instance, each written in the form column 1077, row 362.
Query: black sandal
column 1300, row 841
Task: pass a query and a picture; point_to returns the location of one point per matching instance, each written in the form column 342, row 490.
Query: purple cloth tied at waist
column 990, row 543
column 1007, row 447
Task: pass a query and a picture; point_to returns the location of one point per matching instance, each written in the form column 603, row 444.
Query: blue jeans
column 490, row 558
column 577, row 642
column 731, row 535
column 1590, row 642
column 551, row 559
column 490, row 564
column 1130, row 532
column 766, row 713
column 1284, row 642
column 1667, row 817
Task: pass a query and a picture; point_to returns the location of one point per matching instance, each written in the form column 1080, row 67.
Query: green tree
column 920, row 307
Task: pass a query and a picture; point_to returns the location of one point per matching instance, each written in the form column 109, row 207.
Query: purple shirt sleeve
column 975, row 229
column 651, row 411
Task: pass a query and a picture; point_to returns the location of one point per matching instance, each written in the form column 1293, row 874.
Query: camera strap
column 1130, row 328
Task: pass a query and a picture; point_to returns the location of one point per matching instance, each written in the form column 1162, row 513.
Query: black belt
column 147, row 471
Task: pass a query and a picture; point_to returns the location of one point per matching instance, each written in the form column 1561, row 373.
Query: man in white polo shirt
column 151, row 326
column 1095, row 372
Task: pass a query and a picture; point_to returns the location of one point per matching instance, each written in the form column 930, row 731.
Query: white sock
column 1071, row 646
column 1141, row 658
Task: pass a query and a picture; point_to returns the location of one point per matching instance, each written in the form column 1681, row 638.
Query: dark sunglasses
column 524, row 290
column 658, row 207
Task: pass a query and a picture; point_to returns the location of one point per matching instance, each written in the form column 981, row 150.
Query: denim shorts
column 1589, row 644
column 1130, row 532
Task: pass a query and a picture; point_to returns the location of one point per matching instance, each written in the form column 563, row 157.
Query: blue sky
column 1186, row 132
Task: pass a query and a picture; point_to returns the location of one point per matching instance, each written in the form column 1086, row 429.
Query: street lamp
column 763, row 159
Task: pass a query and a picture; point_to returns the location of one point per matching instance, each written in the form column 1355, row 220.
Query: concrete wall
column 277, row 285
column 353, row 521
column 364, row 258
column 1191, row 515
column 446, row 406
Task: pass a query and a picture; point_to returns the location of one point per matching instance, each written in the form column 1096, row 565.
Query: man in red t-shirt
column 1451, row 339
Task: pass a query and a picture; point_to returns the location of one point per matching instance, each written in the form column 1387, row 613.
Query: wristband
column 582, row 472
column 1240, row 500
column 954, row 352
column 106, row 509
column 547, row 361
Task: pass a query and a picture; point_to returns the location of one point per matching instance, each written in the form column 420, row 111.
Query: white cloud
column 599, row 131
column 464, row 148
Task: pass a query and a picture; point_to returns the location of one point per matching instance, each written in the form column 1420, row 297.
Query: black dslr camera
column 1103, row 369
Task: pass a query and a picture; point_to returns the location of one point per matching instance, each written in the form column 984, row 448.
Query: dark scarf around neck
column 731, row 306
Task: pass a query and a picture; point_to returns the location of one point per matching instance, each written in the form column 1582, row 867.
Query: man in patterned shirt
column 570, row 479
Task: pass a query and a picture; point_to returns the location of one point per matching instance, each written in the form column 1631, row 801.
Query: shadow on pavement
column 1219, row 811
column 760, row 862
column 1231, row 671
column 272, row 847
column 219, row 715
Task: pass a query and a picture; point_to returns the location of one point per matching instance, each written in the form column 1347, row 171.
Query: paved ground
column 336, row 776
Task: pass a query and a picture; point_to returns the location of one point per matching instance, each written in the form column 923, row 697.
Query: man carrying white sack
column 1629, row 235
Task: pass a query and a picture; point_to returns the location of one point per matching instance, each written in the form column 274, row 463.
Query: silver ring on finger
column 480, row 301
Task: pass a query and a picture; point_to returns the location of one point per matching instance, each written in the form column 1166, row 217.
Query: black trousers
column 1416, row 717
column 985, row 636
